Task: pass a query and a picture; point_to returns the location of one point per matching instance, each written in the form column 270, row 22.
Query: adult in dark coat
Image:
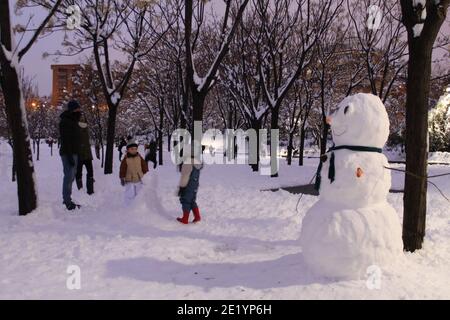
column 151, row 153
column 70, row 149
column 85, row 159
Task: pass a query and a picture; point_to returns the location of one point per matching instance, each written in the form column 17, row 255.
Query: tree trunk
column 230, row 120
column 13, row 170
column 38, row 143
column 418, row 88
column 324, row 139
column 274, row 125
column 169, row 147
column 161, row 135
column 103, row 156
column 198, row 101
column 256, row 125
column 183, row 122
column 189, row 69
column 23, row 159
column 290, row 148
column 110, row 135
column 415, row 196
column 160, row 148
column 302, row 146
column 15, row 109
column 97, row 150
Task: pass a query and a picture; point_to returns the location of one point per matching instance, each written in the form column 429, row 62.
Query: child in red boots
column 188, row 187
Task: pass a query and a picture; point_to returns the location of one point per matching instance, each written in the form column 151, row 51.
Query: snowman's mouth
column 339, row 131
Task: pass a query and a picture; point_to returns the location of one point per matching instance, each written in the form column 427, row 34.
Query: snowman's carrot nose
column 359, row 172
column 328, row 120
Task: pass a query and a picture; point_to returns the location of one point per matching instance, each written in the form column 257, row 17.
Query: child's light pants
column 131, row 191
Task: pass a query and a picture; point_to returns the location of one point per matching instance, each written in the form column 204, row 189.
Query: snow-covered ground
column 246, row 247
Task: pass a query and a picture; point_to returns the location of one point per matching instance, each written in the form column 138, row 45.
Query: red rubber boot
column 185, row 219
column 197, row 217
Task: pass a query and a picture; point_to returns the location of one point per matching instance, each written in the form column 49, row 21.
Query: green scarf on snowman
column 332, row 169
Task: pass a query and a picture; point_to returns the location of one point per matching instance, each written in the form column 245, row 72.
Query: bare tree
column 242, row 79
column 382, row 43
column 199, row 86
column 87, row 90
column 229, row 113
column 154, row 89
column 107, row 25
column 297, row 112
column 289, row 31
column 423, row 20
column 10, row 57
column 326, row 73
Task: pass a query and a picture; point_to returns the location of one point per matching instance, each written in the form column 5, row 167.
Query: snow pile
column 352, row 226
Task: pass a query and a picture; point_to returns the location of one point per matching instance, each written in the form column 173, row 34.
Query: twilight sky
column 39, row 68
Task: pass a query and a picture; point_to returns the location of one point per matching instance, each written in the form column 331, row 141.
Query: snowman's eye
column 346, row 109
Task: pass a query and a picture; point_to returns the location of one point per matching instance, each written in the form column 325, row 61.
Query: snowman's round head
column 360, row 120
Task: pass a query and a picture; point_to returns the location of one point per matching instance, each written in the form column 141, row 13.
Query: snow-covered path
column 246, row 247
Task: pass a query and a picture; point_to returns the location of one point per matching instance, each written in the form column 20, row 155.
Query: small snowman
column 352, row 226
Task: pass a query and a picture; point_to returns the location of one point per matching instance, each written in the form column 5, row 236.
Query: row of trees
column 283, row 70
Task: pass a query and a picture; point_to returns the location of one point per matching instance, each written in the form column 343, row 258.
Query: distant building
column 62, row 86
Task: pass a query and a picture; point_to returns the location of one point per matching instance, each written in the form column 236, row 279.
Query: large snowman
column 352, row 226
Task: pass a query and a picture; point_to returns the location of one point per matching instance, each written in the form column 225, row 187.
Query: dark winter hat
column 131, row 144
column 73, row 105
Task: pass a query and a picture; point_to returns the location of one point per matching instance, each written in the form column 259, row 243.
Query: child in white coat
column 132, row 170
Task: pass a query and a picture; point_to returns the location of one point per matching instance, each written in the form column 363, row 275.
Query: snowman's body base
column 339, row 242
